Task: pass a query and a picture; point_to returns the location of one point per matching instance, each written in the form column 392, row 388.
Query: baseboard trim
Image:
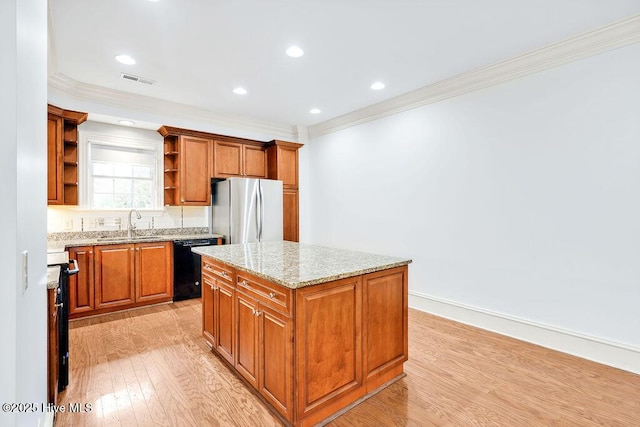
column 609, row 353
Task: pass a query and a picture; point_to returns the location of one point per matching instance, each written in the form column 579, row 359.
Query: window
column 121, row 173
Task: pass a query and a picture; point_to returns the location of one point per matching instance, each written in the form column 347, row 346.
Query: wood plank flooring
column 151, row 367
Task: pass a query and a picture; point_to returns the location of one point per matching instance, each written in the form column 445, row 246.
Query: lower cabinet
column 114, row 277
column 217, row 315
column 264, row 349
column 351, row 337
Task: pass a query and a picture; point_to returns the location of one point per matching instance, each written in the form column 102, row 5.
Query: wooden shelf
column 171, row 153
column 71, row 183
column 70, row 142
column 170, row 170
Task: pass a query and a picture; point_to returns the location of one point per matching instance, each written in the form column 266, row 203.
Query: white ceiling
column 199, row 50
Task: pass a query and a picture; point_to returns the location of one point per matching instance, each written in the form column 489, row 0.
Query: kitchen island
column 313, row 330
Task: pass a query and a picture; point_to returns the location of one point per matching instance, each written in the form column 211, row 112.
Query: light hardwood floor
column 151, row 367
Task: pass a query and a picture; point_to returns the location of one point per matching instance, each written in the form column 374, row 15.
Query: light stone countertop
column 53, row 274
column 59, row 241
column 296, row 265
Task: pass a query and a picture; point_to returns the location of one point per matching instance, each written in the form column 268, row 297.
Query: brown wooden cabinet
column 187, row 169
column 195, row 171
column 62, row 155
column 351, row 337
column 290, row 215
column 115, row 277
column 55, row 195
column 218, row 309
column 283, row 165
column 81, row 286
column 154, row 272
column 187, row 179
column 238, row 159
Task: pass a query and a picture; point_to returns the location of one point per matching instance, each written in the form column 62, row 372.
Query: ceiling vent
column 138, row 79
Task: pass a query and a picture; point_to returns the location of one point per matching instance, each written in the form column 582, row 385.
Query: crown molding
column 160, row 107
column 612, row 36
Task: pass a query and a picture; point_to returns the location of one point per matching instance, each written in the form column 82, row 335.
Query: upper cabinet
column 192, row 158
column 187, row 168
column 239, row 159
column 62, row 155
column 283, row 162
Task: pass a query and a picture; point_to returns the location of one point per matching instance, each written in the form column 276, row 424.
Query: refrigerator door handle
column 260, row 211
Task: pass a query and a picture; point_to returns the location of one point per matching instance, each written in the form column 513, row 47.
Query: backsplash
column 71, row 219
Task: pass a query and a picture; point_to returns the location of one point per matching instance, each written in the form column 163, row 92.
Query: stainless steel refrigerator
column 246, row 210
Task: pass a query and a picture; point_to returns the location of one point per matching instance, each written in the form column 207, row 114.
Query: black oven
column 67, row 269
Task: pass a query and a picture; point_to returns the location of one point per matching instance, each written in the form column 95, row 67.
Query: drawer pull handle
column 272, row 295
column 206, row 267
column 224, row 274
column 244, row 283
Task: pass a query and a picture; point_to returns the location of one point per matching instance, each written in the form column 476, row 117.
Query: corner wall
column 519, row 199
column 23, row 167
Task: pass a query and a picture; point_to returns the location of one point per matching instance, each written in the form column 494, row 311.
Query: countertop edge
column 317, row 281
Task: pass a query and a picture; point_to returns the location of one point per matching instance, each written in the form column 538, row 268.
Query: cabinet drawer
column 216, row 270
column 277, row 297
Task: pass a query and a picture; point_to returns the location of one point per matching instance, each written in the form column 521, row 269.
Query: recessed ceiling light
column 315, row 111
column 125, row 59
column 295, row 52
column 377, row 86
column 126, row 122
column 240, row 91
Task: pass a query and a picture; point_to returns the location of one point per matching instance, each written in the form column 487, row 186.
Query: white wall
column 23, row 166
column 521, row 199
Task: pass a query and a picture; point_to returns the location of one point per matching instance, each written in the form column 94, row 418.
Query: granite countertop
column 296, row 265
column 53, row 274
column 59, row 241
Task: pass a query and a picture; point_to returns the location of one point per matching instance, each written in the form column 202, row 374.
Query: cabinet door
column 114, row 275
column 246, row 357
column 195, row 175
column 208, row 310
column 154, row 273
column 227, row 159
column 54, row 160
column 385, row 314
column 225, row 301
column 276, row 363
column 288, row 166
column 290, row 215
column 328, row 369
column 81, row 287
column 255, row 162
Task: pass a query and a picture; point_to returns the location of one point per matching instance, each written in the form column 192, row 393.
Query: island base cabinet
column 264, row 352
column 385, row 314
column 217, row 315
column 329, row 370
column 276, row 363
column 315, row 350
column 208, row 303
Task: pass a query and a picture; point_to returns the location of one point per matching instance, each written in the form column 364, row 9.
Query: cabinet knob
column 272, row 295
column 59, row 305
column 257, row 313
column 197, row 283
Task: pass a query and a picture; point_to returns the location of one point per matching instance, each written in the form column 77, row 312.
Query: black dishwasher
column 186, row 268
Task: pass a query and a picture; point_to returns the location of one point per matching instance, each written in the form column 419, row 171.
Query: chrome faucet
column 131, row 226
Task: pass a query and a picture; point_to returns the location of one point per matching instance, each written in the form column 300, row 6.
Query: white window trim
column 87, row 138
